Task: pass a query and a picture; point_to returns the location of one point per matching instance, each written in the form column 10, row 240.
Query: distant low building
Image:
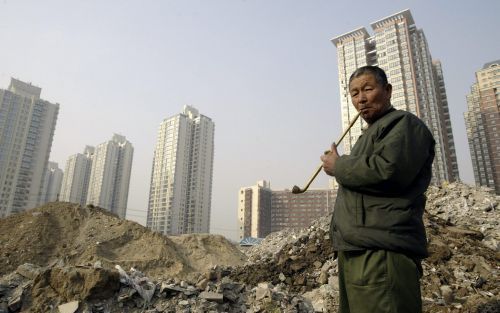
column 262, row 210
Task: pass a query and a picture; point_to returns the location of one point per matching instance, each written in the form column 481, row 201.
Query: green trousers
column 376, row 281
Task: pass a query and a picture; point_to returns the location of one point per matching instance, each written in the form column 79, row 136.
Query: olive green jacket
column 381, row 198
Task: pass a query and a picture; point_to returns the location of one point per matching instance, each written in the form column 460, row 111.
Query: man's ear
column 388, row 89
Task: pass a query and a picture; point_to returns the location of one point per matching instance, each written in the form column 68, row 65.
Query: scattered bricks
column 202, row 284
column 69, row 307
column 447, row 294
column 323, row 278
column 282, row 277
column 126, row 293
column 16, row 300
column 212, row 296
column 29, row 270
column 262, row 291
column 230, row 296
column 317, row 264
column 297, row 266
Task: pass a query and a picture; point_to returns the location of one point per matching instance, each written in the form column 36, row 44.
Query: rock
column 282, row 277
column 126, row 293
column 84, row 283
column 447, row 294
column 69, row 307
column 29, row 270
column 202, row 284
column 16, row 300
column 212, row 296
column 262, row 291
column 323, row 278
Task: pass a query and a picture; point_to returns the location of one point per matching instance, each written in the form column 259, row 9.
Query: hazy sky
column 264, row 71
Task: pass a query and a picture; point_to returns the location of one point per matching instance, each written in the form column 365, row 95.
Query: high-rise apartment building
column 262, row 210
column 51, row 183
column 482, row 121
column 27, row 125
column 400, row 48
column 181, row 179
column 110, row 175
column 75, row 184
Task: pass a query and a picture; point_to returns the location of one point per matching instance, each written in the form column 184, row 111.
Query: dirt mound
column 84, row 235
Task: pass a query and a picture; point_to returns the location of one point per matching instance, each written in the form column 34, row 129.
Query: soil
column 83, row 236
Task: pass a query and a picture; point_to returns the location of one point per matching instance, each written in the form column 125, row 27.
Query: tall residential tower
column 400, row 48
column 110, row 175
column 27, row 125
column 181, row 179
column 51, row 183
column 482, row 121
column 75, row 184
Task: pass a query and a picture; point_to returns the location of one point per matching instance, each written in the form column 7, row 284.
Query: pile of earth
column 86, row 235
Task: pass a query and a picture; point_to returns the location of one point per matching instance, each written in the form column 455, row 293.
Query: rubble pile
column 65, row 258
column 461, row 274
column 476, row 208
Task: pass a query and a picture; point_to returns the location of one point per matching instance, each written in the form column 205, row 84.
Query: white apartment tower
column 51, row 183
column 76, row 177
column 400, row 48
column 181, row 179
column 110, row 175
column 482, row 121
column 27, row 125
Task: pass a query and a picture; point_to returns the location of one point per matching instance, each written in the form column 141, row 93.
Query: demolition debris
column 66, row 258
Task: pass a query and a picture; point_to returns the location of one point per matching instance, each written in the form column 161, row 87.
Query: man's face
column 369, row 97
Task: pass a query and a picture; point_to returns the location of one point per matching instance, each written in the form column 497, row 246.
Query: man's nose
column 362, row 97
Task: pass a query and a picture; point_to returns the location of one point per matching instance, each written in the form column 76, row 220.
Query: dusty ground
column 83, row 236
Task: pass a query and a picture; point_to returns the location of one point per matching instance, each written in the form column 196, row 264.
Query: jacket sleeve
column 400, row 151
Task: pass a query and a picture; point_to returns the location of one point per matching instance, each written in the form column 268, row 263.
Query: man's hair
column 376, row 71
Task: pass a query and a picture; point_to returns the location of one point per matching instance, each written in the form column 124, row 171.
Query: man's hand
column 329, row 159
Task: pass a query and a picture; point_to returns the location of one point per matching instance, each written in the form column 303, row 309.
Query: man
column 377, row 227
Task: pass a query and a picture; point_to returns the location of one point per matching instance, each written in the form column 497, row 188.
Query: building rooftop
column 489, row 64
column 355, row 33
column 405, row 14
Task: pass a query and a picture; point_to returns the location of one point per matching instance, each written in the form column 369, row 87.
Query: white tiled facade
column 27, row 125
column 482, row 121
column 52, row 183
column 181, row 179
column 401, row 50
column 76, row 177
column 110, row 175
